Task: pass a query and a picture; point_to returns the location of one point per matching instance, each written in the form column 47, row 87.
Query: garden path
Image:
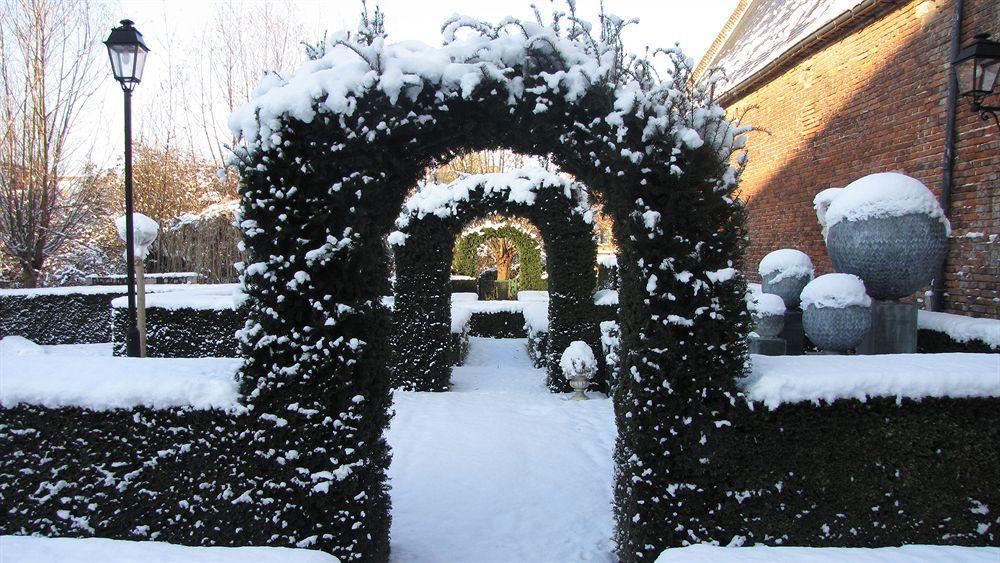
column 500, row 469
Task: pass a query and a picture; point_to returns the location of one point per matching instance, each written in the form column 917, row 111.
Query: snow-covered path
column 500, row 469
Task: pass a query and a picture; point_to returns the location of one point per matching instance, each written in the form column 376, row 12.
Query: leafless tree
column 48, row 64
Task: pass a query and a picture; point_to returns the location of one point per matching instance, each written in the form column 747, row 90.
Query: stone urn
column 836, row 312
column 784, row 273
column 768, row 312
column 895, row 256
column 578, row 365
column 889, row 230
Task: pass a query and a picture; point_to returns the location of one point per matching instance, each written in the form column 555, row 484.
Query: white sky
column 692, row 23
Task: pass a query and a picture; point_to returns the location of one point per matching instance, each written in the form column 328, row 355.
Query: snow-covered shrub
column 435, row 215
column 59, row 315
column 529, row 252
column 578, row 360
column 327, row 149
column 610, row 346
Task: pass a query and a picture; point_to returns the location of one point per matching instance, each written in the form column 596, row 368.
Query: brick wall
column 872, row 98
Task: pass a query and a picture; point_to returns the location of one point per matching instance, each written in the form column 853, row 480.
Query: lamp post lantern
column 128, row 51
column 977, row 65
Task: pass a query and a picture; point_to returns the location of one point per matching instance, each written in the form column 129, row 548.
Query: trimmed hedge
column 497, row 324
column 934, row 342
column 183, row 332
column 76, row 318
column 881, row 472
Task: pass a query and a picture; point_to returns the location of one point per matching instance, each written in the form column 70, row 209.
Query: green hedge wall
column 75, row 318
column 184, row 332
column 497, row 324
column 933, row 342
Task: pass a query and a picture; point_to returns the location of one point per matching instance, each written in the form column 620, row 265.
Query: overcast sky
column 692, row 23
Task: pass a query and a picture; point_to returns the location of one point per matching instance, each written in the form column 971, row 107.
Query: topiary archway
column 529, row 277
column 329, row 153
column 558, row 208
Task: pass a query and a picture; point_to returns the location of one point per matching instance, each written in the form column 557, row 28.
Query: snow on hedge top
column 578, row 360
column 518, row 186
column 837, row 291
column 32, row 376
column 788, row 262
column 961, row 328
column 886, row 194
column 35, row 549
column 193, row 296
column 704, row 553
column 776, row 380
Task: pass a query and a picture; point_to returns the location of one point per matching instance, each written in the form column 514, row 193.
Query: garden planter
column 836, row 329
column 768, row 326
column 784, row 273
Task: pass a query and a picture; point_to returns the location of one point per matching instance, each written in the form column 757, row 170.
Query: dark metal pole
column 936, row 300
column 132, row 338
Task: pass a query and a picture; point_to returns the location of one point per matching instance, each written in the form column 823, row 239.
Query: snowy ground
column 500, row 469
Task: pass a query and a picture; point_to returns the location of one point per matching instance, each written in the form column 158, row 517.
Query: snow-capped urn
column 836, row 312
column 144, row 231
column 888, row 229
column 784, row 273
column 578, row 365
column 768, row 312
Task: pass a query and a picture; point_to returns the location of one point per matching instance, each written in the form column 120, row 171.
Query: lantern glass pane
column 122, row 61
column 140, row 62
column 987, row 74
column 966, row 77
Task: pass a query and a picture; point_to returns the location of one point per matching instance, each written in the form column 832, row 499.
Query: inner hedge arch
column 328, row 156
column 529, row 276
column 434, row 216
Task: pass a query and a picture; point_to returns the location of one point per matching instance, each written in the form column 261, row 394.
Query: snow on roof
column 961, row 328
column 38, row 549
column 110, row 382
column 775, row 380
column 766, row 30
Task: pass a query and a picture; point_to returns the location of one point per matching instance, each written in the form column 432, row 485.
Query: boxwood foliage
column 497, row 324
column 183, row 332
column 529, row 276
column 934, row 342
column 431, row 219
column 328, row 150
column 58, row 318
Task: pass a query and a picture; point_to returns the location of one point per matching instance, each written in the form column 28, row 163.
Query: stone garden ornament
column 784, row 273
column 578, row 366
column 836, row 312
column 888, row 229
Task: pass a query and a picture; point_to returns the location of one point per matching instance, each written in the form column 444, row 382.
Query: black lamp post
column 977, row 65
column 128, row 57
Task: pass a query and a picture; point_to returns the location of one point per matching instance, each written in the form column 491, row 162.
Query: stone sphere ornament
column 784, row 273
column 768, row 312
column 889, row 230
column 836, row 312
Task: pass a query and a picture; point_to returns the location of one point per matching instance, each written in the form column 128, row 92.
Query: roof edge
column 727, row 29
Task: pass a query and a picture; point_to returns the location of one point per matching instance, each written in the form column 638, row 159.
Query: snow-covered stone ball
column 578, row 360
column 784, row 273
column 768, row 312
column 836, row 312
column 890, row 230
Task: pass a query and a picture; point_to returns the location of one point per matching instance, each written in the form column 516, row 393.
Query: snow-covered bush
column 328, row 148
column 578, row 361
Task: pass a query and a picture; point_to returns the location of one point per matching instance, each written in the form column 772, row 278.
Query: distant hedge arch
column 329, row 153
column 529, row 275
column 431, row 219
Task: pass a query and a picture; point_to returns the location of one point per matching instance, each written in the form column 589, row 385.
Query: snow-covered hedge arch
column 529, row 276
column 329, row 153
column 430, row 221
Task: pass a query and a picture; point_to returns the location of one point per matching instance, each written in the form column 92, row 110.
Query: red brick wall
column 872, row 98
